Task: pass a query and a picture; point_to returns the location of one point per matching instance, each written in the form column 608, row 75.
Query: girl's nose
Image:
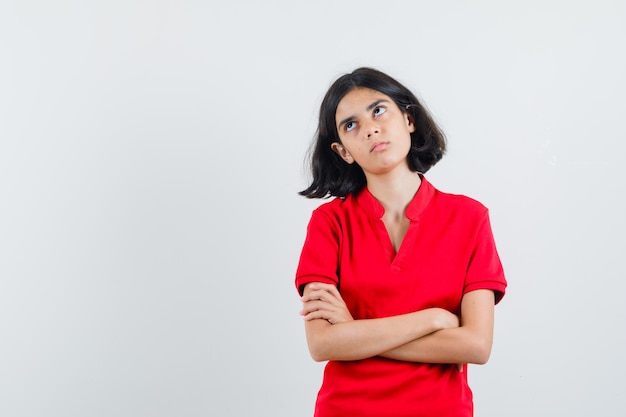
column 371, row 129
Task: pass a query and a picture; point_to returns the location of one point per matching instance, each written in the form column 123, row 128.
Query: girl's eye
column 350, row 126
column 379, row 110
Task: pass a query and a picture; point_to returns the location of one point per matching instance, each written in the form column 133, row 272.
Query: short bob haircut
column 332, row 176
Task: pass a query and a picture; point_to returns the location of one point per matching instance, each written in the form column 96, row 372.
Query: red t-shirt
column 448, row 251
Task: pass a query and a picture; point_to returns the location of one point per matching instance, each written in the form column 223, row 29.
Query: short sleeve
column 319, row 259
column 485, row 269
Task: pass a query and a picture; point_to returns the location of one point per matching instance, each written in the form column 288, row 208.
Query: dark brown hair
column 332, row 176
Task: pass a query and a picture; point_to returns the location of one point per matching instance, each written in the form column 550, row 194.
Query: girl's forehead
column 358, row 100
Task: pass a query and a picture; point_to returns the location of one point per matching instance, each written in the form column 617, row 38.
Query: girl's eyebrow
column 370, row 107
column 376, row 103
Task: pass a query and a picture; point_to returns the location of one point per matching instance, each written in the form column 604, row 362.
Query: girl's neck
column 395, row 192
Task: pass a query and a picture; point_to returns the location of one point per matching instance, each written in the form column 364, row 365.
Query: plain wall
column 150, row 227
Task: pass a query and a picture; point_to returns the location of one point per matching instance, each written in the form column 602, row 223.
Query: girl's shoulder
column 458, row 203
column 461, row 200
column 335, row 206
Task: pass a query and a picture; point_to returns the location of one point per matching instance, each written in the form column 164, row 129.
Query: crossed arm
column 432, row 335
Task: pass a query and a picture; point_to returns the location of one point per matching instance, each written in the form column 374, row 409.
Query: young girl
column 398, row 279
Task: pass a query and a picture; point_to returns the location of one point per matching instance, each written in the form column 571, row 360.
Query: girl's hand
column 447, row 320
column 323, row 301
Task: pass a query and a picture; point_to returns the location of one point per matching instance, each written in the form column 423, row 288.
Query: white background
column 150, row 156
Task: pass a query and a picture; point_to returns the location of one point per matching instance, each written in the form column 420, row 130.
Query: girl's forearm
column 470, row 343
column 459, row 345
column 361, row 339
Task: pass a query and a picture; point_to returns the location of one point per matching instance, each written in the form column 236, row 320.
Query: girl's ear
column 409, row 120
column 342, row 152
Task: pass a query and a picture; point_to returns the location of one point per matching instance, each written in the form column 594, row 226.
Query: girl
column 398, row 280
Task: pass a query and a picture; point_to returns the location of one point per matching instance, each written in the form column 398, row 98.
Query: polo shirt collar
column 374, row 209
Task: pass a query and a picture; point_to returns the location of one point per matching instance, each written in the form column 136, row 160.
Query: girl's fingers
column 320, row 286
column 315, row 315
column 316, row 305
column 317, row 287
column 321, row 313
column 323, row 301
column 322, row 294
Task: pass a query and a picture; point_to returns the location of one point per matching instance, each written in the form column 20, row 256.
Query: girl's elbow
column 317, row 356
column 482, row 352
column 481, row 358
column 319, row 352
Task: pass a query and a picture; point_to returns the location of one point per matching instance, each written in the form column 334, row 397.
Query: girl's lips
column 378, row 146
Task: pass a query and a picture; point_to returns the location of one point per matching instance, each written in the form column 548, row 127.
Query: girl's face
column 373, row 132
